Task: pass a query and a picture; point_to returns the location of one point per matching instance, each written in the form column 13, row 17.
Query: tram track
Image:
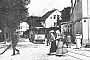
column 74, row 57
column 79, row 54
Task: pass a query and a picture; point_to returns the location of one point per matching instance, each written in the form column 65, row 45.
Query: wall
column 86, row 8
column 76, row 17
column 86, row 21
column 77, row 11
column 81, row 12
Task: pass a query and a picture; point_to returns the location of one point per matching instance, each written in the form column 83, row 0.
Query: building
column 50, row 18
column 35, row 24
column 80, row 19
column 24, row 26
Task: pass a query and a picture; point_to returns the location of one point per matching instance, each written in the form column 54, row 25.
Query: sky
column 40, row 7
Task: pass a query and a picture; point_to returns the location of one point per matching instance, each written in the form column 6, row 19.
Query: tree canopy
column 66, row 14
column 12, row 12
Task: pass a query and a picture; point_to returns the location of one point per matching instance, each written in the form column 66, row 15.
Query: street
column 31, row 51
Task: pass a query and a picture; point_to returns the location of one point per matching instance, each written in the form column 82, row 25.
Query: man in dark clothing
column 15, row 40
column 48, row 39
column 53, row 47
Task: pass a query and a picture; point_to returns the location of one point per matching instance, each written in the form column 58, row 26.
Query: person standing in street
column 57, row 35
column 53, row 47
column 78, row 40
column 48, row 39
column 68, row 41
column 60, row 48
column 15, row 40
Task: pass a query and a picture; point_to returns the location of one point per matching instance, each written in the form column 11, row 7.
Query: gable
column 44, row 17
column 55, row 15
column 37, row 24
column 50, row 13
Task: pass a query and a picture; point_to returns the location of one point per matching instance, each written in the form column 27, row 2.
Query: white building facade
column 51, row 21
column 51, row 18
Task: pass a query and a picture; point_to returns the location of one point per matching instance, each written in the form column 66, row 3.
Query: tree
column 12, row 12
column 66, row 14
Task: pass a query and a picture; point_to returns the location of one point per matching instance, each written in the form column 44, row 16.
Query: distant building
column 35, row 24
column 50, row 18
column 42, row 24
column 34, row 21
column 23, row 27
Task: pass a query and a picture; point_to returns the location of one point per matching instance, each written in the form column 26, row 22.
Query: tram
column 37, row 34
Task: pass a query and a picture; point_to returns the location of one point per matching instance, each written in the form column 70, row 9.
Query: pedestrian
column 15, row 39
column 60, row 48
column 68, row 40
column 53, row 47
column 78, row 40
column 57, row 35
column 48, row 39
column 65, row 40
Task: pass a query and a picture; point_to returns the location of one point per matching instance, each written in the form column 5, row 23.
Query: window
column 50, row 17
column 84, row 20
column 55, row 24
column 54, row 17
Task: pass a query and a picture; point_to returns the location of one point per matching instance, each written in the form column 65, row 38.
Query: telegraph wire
column 50, row 3
column 48, row 6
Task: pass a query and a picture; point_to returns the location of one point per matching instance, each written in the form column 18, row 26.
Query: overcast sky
column 40, row 7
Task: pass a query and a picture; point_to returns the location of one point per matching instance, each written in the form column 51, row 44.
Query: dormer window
column 54, row 17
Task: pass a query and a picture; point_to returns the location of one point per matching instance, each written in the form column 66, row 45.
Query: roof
column 35, row 21
column 33, row 17
column 37, row 24
column 44, row 17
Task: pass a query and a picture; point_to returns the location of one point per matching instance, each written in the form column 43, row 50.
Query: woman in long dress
column 78, row 41
column 60, row 49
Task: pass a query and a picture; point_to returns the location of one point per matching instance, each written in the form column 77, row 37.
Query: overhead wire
column 48, row 6
column 50, row 3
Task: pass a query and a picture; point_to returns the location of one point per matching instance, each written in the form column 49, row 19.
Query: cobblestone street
column 31, row 51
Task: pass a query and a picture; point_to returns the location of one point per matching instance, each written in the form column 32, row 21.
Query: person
column 60, row 49
column 48, row 40
column 68, row 41
column 57, row 35
column 15, row 39
column 53, row 47
column 65, row 40
column 78, row 40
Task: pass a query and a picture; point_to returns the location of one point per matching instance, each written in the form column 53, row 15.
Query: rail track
column 79, row 54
